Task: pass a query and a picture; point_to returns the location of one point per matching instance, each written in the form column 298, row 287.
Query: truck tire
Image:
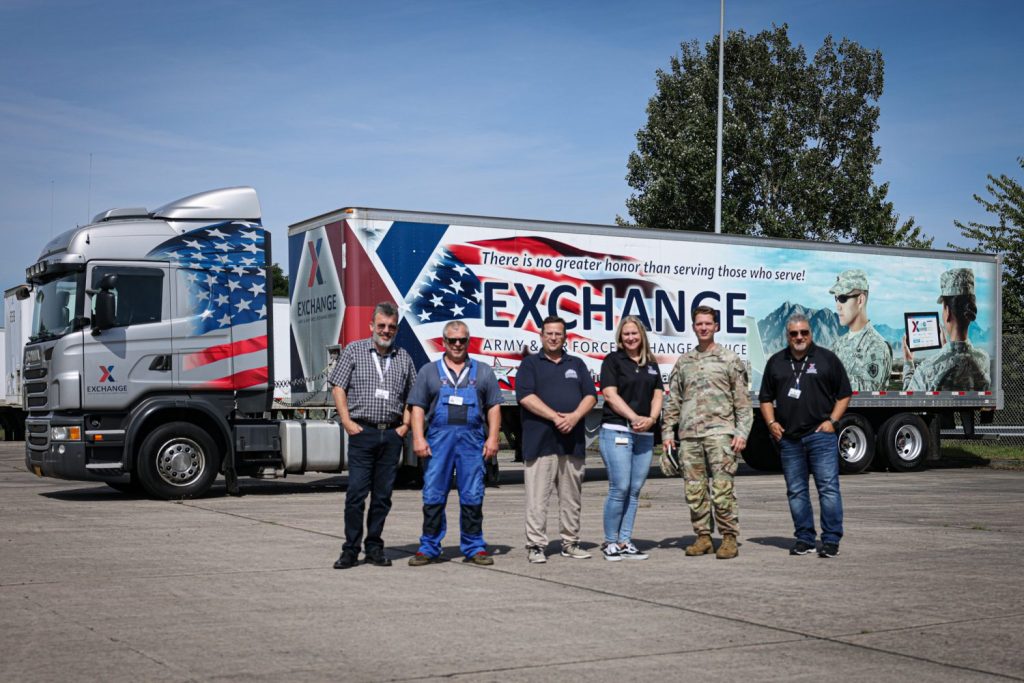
column 903, row 439
column 177, row 460
column 856, row 443
column 762, row 453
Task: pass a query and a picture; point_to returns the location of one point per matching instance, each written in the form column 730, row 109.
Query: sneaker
column 631, row 552
column 420, row 559
column 828, row 550
column 611, row 552
column 536, row 555
column 574, row 551
column 801, row 548
column 482, row 559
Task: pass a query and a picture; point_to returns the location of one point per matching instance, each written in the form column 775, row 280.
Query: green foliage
column 798, row 143
column 1006, row 237
column 280, row 281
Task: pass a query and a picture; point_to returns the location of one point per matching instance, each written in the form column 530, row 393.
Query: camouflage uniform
column 867, row 358
column 709, row 403
column 958, row 366
column 865, row 354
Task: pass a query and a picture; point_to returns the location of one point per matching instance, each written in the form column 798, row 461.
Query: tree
column 279, row 280
column 1005, row 238
column 798, row 143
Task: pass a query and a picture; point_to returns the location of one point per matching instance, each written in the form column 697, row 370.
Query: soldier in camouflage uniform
column 865, row 354
column 958, row 366
column 709, row 408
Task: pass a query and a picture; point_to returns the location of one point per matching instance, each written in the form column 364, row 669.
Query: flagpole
column 721, row 92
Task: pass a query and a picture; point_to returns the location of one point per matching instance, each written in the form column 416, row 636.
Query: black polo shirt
column 823, row 381
column 635, row 384
column 561, row 386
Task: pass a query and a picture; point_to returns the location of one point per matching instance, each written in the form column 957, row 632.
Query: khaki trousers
column 542, row 474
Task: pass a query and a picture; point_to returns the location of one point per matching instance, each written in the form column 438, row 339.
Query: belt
column 379, row 426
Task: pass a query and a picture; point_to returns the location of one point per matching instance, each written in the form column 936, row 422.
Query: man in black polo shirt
column 804, row 392
column 371, row 382
column 555, row 393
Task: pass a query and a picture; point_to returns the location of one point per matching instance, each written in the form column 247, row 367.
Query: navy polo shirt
column 823, row 381
column 561, row 386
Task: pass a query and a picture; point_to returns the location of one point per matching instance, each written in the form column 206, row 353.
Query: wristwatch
column 835, row 423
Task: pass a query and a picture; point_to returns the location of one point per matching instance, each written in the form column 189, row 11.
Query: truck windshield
column 54, row 312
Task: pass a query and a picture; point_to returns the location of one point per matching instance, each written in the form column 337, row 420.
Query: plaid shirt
column 357, row 373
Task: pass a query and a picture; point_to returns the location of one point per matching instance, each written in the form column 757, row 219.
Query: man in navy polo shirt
column 804, row 392
column 555, row 393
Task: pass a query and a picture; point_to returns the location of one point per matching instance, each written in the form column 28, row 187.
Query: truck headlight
column 66, row 433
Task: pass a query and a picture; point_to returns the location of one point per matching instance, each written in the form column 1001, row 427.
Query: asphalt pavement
column 97, row 585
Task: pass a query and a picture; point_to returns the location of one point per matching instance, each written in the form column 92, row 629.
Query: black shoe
column 378, row 559
column 801, row 548
column 828, row 550
column 346, row 561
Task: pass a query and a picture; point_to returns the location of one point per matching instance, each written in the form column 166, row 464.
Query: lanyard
column 803, row 366
column 451, row 373
column 377, row 363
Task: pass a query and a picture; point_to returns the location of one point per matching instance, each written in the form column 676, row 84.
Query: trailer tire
column 903, row 439
column 177, row 460
column 856, row 443
column 762, row 453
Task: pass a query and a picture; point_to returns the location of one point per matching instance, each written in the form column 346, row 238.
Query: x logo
column 314, row 269
column 108, row 373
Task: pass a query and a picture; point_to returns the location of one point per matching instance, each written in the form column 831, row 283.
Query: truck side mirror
column 104, row 304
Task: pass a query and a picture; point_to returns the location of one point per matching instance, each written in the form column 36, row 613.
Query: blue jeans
column 627, row 464
column 818, row 454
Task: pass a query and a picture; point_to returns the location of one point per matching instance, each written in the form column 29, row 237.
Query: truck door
column 133, row 357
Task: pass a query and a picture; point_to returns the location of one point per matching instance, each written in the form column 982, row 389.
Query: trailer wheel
column 177, row 460
column 856, row 443
column 903, row 438
column 762, row 453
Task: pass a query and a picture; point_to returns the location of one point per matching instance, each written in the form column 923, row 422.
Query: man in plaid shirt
column 371, row 382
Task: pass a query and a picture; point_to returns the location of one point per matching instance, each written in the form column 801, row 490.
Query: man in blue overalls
column 456, row 416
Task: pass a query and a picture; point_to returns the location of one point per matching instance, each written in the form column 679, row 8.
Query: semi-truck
column 148, row 359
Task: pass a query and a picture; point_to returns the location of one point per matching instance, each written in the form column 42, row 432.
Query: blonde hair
column 645, row 346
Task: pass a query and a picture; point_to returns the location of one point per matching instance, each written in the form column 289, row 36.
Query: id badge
column 621, row 441
column 454, row 400
column 382, row 394
column 794, row 392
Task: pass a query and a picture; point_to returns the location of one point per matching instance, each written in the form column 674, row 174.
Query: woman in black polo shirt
column 632, row 388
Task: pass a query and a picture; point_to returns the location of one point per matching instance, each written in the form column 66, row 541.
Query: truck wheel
column 903, row 438
column 856, row 443
column 177, row 460
column 762, row 453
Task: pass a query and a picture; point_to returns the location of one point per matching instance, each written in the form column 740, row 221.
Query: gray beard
column 382, row 343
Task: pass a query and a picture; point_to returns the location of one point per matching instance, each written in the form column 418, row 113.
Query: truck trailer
column 148, row 362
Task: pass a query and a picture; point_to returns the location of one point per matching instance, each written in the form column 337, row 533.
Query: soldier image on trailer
column 959, row 366
column 864, row 353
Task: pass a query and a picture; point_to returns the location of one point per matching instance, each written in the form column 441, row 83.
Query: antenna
column 88, row 206
column 51, row 206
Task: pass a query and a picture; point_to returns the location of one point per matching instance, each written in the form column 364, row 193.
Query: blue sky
column 524, row 109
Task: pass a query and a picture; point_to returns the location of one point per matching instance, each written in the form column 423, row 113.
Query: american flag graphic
column 448, row 290
column 225, row 268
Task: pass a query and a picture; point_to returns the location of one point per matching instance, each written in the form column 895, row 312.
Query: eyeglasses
column 843, row 298
column 452, row 341
column 799, row 333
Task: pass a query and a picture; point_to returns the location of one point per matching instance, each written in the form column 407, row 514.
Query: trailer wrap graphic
column 224, row 266
column 504, row 282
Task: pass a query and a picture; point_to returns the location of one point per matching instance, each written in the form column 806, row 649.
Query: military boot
column 727, row 550
column 703, row 546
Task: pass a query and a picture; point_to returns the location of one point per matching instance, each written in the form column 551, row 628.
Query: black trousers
column 372, row 463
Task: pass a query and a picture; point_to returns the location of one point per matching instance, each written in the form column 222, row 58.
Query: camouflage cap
column 955, row 282
column 850, row 280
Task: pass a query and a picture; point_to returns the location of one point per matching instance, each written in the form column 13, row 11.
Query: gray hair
column 386, row 309
column 797, row 318
column 453, row 324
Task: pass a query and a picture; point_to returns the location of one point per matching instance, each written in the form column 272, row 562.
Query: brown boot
column 703, row 546
column 727, row 550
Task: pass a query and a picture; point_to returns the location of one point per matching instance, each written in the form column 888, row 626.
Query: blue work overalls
column 456, row 438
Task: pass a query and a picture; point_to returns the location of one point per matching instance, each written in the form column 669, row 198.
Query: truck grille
column 37, row 434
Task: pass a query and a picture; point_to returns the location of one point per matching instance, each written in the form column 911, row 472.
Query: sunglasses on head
column 843, row 298
column 456, row 340
column 799, row 333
